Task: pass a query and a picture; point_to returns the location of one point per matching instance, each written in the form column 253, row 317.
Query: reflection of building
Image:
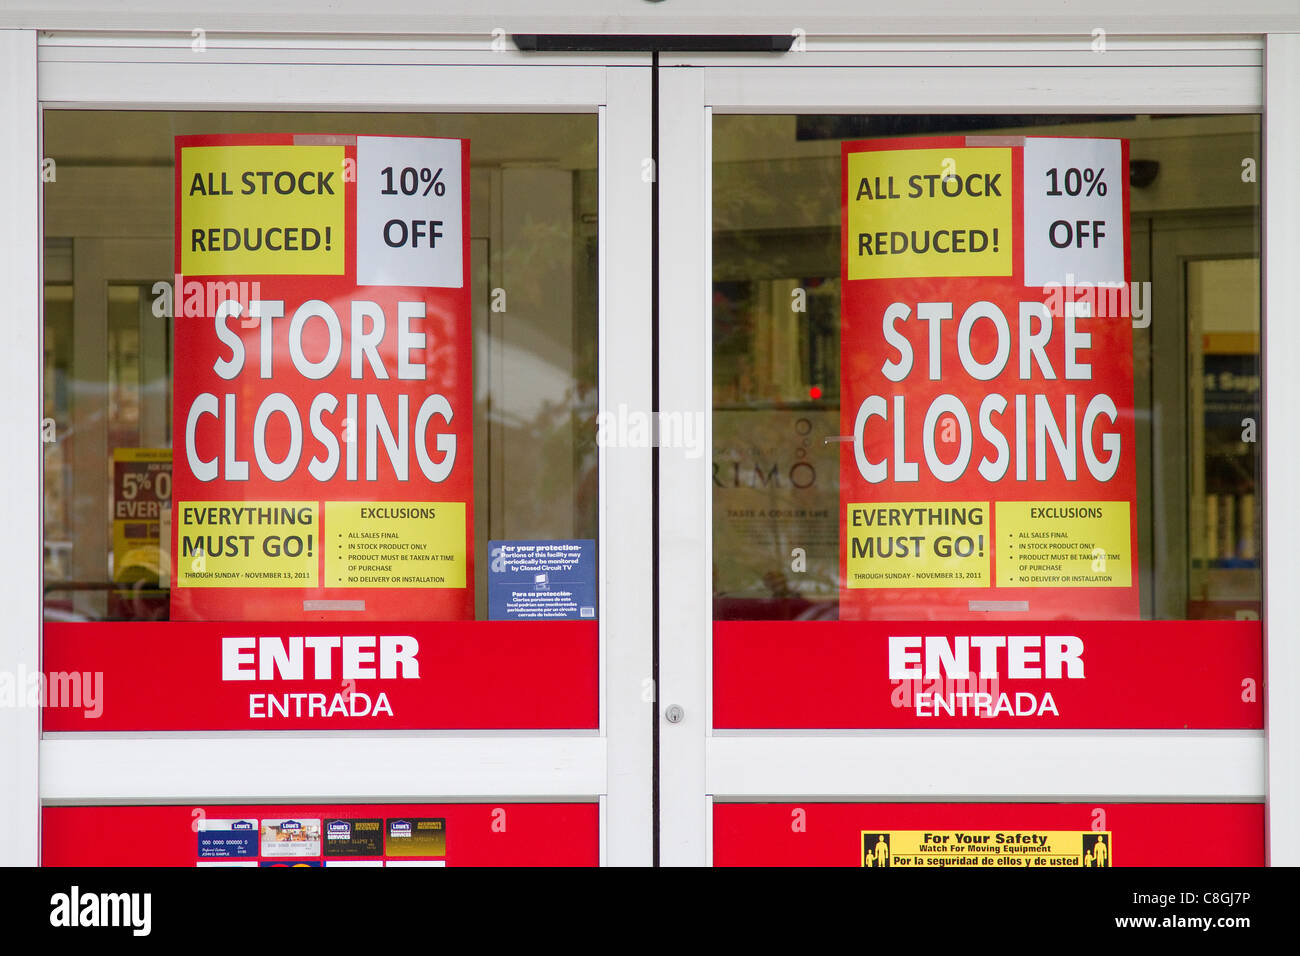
column 775, row 489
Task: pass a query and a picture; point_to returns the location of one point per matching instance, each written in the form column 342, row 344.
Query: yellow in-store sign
column 929, row 212
column 262, row 210
column 395, row 544
column 247, row 544
column 917, row 544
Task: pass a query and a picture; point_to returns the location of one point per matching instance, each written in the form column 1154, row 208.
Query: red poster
column 987, row 369
column 323, row 403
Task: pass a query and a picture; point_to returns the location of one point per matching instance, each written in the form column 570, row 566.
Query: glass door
column 335, row 569
column 970, row 386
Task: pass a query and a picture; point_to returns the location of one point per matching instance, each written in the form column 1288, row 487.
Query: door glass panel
column 986, row 406
column 361, row 420
column 110, row 335
column 779, row 436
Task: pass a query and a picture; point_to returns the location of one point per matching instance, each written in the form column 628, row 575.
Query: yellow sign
column 1065, row 544
column 142, row 482
column 395, row 544
column 918, row 544
column 986, row 849
column 247, row 544
column 929, row 212
column 262, row 210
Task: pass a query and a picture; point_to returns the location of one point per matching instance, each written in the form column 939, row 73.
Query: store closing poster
column 323, row 403
column 987, row 369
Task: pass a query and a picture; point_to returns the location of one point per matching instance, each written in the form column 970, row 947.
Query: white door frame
column 699, row 765
column 20, row 480
column 612, row 765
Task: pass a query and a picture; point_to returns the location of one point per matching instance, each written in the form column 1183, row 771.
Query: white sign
column 1075, row 228
column 409, row 229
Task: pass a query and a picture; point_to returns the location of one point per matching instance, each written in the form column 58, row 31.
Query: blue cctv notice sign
column 542, row 580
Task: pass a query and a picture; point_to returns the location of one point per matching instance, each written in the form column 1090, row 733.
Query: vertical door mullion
column 1281, row 454
column 685, row 453
column 625, row 488
column 20, row 270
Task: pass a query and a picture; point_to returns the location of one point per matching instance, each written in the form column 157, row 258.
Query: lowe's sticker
column 227, row 838
column 291, row 838
column 354, row 837
column 542, row 580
